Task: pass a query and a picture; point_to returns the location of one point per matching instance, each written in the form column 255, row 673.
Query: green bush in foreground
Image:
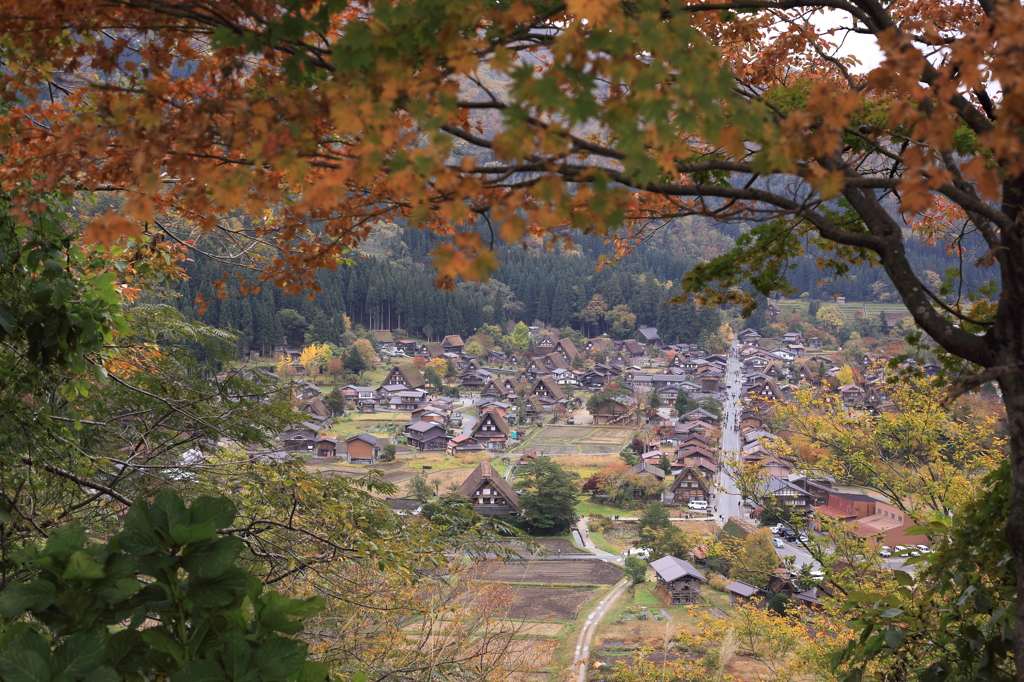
column 163, row 598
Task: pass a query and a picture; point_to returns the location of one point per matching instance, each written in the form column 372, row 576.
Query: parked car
column 777, row 543
column 803, row 538
column 697, row 505
column 924, row 549
column 777, row 528
column 899, row 548
column 789, row 535
column 885, row 550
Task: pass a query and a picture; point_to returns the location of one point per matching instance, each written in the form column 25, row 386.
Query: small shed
column 741, row 593
column 678, row 581
column 326, row 447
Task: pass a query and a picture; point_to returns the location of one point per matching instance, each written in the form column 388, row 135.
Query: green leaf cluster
column 164, row 597
column 954, row 619
column 60, row 303
column 549, row 500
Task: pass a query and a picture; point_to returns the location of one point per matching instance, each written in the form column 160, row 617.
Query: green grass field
column 574, row 440
column 375, row 423
column 584, row 507
column 601, row 543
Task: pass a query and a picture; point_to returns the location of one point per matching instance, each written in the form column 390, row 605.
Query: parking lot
column 801, row 557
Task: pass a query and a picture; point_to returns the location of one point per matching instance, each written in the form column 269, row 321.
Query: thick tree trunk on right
column 1012, row 385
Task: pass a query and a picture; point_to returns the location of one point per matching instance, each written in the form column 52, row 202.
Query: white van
column 698, row 505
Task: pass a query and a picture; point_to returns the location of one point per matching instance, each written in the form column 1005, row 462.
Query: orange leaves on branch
column 941, row 222
column 594, row 11
column 466, row 257
column 110, row 227
column 828, row 183
column 986, row 179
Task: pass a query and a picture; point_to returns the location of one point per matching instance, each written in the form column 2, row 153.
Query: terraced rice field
column 575, row 440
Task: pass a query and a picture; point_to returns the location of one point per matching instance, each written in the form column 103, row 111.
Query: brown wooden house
column 618, row 411
column 546, row 387
column 689, row 485
column 462, row 443
column 545, row 344
column 426, row 435
column 363, row 449
column 326, row 447
column 491, row 431
column 678, row 580
column 494, row 390
column 567, row 349
column 742, row 593
column 453, row 343
column 405, row 375
column 699, row 415
column 490, row 493
column 383, row 337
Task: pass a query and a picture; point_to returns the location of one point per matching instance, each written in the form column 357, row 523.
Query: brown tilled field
column 546, row 603
column 571, row 572
column 705, row 528
column 555, row 544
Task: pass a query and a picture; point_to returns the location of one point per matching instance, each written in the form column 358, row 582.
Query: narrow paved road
column 583, row 536
column 590, row 628
column 586, row 636
column 728, row 499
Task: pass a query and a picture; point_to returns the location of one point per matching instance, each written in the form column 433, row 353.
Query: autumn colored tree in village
column 494, row 120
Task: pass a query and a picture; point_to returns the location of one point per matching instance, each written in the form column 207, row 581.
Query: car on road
column 777, row 528
column 803, row 538
column 697, row 505
column 924, row 549
column 778, row 543
column 788, row 535
column 884, row 551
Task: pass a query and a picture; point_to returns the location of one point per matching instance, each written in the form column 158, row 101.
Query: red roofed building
column 888, row 526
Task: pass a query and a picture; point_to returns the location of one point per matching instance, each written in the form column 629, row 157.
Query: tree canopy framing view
column 503, row 121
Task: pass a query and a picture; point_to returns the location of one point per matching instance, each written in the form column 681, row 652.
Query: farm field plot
column 571, row 572
column 848, row 309
column 575, row 440
column 555, row 544
column 547, row 603
column 441, row 481
column 376, row 423
column 538, row 630
column 550, row 546
column 633, row 618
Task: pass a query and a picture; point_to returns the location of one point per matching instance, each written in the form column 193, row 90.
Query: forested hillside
column 391, row 286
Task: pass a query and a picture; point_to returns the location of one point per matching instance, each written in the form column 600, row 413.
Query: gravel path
column 590, row 628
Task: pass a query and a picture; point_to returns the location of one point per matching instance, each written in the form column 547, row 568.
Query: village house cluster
column 508, row 390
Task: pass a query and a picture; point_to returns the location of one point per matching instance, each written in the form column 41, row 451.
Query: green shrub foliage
column 162, row 598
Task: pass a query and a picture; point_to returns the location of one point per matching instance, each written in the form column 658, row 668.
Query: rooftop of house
column 742, row 589
column 670, row 568
column 364, row 437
